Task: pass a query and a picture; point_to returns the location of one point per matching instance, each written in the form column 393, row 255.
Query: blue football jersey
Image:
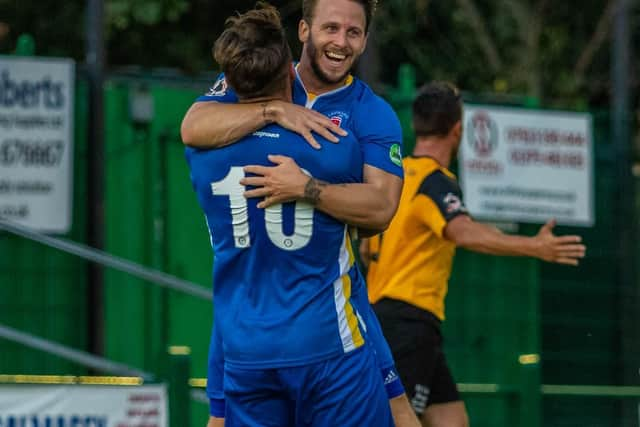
column 354, row 107
column 282, row 275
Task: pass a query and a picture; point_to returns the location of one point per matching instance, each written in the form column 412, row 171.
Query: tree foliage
column 555, row 51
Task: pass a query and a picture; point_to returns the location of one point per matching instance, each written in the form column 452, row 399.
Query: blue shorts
column 375, row 338
column 343, row 391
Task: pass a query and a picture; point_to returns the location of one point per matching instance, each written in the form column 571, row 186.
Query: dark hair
column 253, row 52
column 309, row 6
column 436, row 109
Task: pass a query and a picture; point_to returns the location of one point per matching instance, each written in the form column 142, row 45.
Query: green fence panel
column 152, row 217
column 582, row 327
column 492, row 320
column 43, row 291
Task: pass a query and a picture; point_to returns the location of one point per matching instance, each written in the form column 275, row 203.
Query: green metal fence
column 515, row 327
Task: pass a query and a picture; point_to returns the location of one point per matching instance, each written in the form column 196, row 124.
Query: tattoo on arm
column 312, row 190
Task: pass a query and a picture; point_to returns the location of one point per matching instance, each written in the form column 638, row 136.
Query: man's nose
column 340, row 38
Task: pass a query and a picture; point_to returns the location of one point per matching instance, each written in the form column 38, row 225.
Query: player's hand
column 277, row 184
column 559, row 249
column 304, row 121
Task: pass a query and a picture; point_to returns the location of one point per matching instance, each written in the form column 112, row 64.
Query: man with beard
column 295, row 350
column 334, row 35
column 410, row 264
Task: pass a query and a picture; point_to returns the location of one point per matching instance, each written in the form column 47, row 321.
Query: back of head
column 253, row 52
column 436, row 109
column 309, row 7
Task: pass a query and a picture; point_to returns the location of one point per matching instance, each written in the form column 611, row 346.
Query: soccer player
column 410, row 264
column 294, row 345
column 333, row 33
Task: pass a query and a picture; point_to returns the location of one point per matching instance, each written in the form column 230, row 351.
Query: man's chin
column 335, row 77
column 329, row 78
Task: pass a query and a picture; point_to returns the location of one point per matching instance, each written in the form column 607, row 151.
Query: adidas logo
column 391, row 377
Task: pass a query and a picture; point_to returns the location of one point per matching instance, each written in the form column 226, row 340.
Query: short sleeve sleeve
column 442, row 199
column 380, row 135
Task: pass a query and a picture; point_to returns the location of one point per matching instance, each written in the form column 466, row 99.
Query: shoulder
column 372, row 101
column 443, row 188
column 374, row 115
column 437, row 181
column 220, row 91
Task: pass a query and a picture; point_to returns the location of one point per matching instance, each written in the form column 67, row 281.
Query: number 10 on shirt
column 303, row 218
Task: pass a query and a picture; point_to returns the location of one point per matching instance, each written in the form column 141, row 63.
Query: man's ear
column 456, row 130
column 303, row 31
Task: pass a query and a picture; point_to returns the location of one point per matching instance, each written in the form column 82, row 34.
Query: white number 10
column 303, row 224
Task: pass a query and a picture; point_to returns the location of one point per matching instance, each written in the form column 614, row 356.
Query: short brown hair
column 253, row 52
column 309, row 6
column 436, row 109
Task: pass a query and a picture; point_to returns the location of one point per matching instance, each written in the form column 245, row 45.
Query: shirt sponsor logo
column 263, row 134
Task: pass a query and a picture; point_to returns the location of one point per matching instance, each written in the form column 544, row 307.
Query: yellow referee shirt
column 412, row 258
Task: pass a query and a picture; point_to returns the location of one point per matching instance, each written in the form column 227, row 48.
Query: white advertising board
column 527, row 166
column 83, row 406
column 36, row 142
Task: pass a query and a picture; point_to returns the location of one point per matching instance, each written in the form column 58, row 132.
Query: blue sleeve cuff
column 216, row 408
column 394, row 389
column 392, row 383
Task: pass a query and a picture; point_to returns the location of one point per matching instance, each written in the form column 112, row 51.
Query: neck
column 437, row 148
column 281, row 95
column 262, row 99
column 311, row 81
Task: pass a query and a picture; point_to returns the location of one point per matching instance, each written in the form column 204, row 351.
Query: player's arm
column 216, row 124
column 478, row 237
column 215, row 422
column 369, row 205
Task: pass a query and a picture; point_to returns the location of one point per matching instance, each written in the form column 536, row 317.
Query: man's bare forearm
column 215, row 124
column 361, row 205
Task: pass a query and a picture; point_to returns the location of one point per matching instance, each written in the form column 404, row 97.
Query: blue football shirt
column 283, row 275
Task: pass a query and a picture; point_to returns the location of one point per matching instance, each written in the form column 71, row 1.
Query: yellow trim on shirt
column 352, row 319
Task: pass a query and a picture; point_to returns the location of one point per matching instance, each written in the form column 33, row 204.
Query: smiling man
column 334, row 35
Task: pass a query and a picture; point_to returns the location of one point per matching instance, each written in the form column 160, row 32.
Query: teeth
column 337, row 56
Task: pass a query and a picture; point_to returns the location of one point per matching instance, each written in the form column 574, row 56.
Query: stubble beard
column 317, row 70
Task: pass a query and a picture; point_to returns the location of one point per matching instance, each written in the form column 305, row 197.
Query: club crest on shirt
column 219, row 88
column 338, row 117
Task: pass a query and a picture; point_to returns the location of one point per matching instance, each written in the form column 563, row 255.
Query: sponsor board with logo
column 36, row 142
column 83, row 406
column 527, row 166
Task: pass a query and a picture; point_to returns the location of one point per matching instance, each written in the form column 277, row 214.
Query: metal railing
column 178, row 369
column 527, row 392
column 100, row 257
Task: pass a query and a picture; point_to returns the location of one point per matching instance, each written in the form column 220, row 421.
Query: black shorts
column 416, row 344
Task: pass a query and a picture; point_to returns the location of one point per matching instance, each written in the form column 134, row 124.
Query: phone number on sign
column 14, row 152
